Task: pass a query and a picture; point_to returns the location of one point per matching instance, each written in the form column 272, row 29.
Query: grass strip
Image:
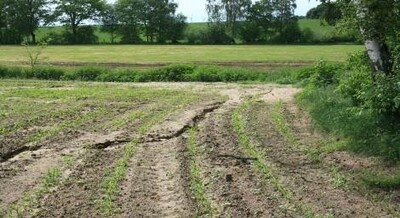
column 19, row 209
column 197, row 186
column 261, row 165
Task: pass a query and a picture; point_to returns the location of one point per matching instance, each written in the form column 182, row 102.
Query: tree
column 159, row 18
column 74, row 12
column 177, row 28
column 258, row 22
column 283, row 13
column 328, row 11
column 8, row 34
column 378, row 22
column 130, row 15
column 156, row 18
column 228, row 11
column 26, row 15
column 110, row 22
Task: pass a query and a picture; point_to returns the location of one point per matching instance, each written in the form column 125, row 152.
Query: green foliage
column 352, row 103
column 325, row 74
column 368, row 91
column 170, row 73
column 73, row 12
column 378, row 180
column 88, row 74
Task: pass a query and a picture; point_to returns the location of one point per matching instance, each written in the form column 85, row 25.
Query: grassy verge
column 197, row 186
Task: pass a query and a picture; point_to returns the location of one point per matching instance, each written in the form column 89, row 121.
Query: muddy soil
column 158, row 182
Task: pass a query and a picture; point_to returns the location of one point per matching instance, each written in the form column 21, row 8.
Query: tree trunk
column 33, row 37
column 379, row 55
column 74, row 33
column 375, row 45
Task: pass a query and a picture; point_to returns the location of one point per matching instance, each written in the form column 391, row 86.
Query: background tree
column 26, row 15
column 177, row 28
column 258, row 22
column 8, row 34
column 110, row 23
column 283, row 14
column 159, row 17
column 329, row 11
column 228, row 11
column 74, row 12
column 130, row 15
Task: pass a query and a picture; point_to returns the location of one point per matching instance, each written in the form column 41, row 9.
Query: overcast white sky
column 195, row 10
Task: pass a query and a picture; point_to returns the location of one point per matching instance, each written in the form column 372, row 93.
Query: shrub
column 87, row 74
column 172, row 73
column 48, row 73
column 324, row 74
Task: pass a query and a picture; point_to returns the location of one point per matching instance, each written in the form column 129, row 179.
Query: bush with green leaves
column 325, row 74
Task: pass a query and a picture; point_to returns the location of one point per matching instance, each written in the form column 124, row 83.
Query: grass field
column 84, row 149
column 150, row 54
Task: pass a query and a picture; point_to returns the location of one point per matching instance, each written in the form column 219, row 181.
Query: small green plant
column 338, row 179
column 34, row 53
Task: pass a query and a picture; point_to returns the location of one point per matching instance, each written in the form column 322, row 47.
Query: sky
column 195, row 10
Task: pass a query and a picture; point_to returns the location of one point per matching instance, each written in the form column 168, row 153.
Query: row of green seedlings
column 51, row 179
column 110, row 183
column 205, row 208
column 264, row 167
column 339, row 178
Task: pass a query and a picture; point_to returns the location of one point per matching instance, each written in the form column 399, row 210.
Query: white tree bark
column 377, row 50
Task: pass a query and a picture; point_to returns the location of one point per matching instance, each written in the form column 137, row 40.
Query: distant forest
column 157, row 22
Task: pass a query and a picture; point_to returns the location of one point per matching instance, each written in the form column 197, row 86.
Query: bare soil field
column 70, row 149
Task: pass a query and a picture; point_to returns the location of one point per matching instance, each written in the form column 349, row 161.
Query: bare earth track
column 162, row 176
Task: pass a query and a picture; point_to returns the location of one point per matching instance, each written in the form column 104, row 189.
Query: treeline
column 151, row 21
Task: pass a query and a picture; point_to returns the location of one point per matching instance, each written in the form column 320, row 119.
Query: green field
column 150, row 54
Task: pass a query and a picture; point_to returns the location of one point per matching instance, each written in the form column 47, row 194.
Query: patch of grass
column 207, row 54
column 24, row 205
column 197, row 186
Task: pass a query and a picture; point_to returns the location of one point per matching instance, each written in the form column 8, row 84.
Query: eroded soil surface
column 158, row 179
